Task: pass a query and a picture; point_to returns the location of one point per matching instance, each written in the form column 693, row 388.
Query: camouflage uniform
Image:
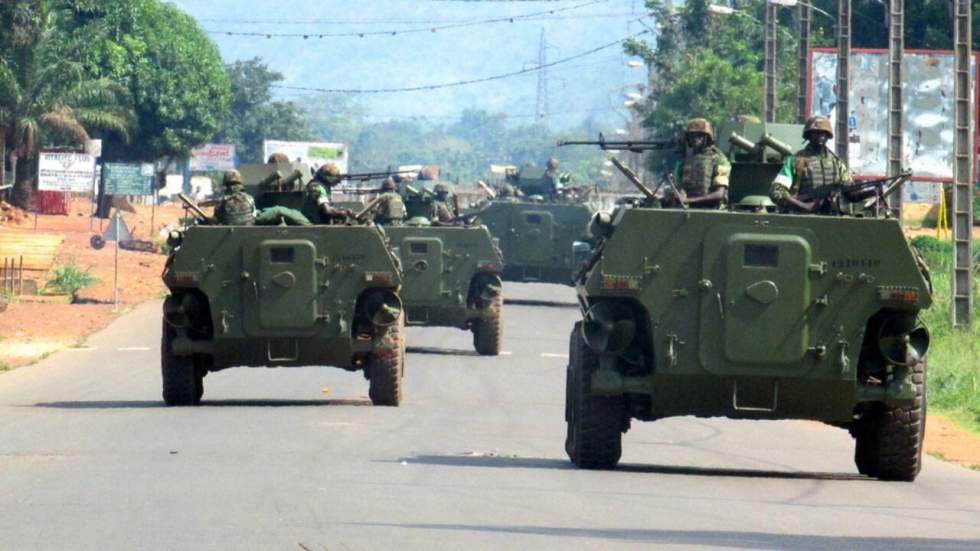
column 554, row 180
column 236, row 208
column 317, row 196
column 442, row 209
column 704, row 171
column 390, row 207
column 810, row 168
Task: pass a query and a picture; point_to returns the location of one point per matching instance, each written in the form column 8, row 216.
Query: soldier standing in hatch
column 702, row 176
column 443, row 211
column 236, row 207
column 316, row 204
column 813, row 167
column 555, row 180
column 389, row 209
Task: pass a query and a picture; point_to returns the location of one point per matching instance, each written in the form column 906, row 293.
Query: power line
column 444, row 21
column 461, row 82
column 395, row 32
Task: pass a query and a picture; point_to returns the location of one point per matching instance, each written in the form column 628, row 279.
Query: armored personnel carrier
column 451, row 272
column 542, row 238
column 752, row 314
column 281, row 296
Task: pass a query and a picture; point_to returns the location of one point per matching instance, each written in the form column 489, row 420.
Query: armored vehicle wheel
column 386, row 365
column 182, row 385
column 888, row 440
column 595, row 423
column 488, row 330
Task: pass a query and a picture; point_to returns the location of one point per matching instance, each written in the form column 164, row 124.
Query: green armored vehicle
column 542, row 235
column 751, row 314
column 451, row 271
column 281, row 296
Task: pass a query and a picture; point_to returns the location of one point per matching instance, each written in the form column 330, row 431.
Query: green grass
column 954, row 354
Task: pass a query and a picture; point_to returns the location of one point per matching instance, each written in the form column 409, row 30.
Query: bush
column 69, row 279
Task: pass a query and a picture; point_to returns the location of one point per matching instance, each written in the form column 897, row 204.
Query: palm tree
column 47, row 100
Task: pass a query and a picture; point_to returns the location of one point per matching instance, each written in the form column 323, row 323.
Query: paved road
column 90, row 459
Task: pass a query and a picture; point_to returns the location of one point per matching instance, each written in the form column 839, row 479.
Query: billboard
column 927, row 94
column 74, row 172
column 311, row 153
column 128, row 178
column 213, row 157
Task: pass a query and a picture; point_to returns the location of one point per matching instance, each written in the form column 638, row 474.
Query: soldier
column 508, row 193
column 236, row 207
column 316, row 204
column 555, row 181
column 702, row 177
column 443, row 211
column 813, row 167
column 389, row 207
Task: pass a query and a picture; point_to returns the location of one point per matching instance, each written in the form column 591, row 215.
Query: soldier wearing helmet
column 813, row 167
column 508, row 193
column 389, row 209
column 554, row 180
column 442, row 209
column 317, row 206
column 236, row 207
column 702, row 176
column 278, row 158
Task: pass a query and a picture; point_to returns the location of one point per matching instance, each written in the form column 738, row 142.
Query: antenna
column 541, row 105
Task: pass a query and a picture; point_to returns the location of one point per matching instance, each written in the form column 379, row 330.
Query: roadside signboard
column 213, row 157
column 128, row 179
column 313, row 154
column 68, row 172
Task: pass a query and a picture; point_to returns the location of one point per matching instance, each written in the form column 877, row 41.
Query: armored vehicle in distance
column 542, row 240
column 281, row 296
column 751, row 314
column 451, row 272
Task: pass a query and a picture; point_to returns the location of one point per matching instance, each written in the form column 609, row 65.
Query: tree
column 46, row 99
column 253, row 116
column 173, row 71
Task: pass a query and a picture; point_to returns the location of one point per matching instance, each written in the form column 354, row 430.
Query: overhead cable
column 395, row 32
column 460, row 82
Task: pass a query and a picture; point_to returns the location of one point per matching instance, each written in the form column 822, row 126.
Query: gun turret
column 635, row 146
column 741, row 142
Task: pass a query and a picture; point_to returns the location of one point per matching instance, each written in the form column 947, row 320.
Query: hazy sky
column 591, row 85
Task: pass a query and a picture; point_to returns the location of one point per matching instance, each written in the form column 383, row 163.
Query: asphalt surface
column 296, row 459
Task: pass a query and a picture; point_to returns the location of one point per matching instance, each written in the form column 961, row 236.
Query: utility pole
column 962, row 300
column 896, row 140
column 541, row 105
column 803, row 60
column 843, row 76
column 769, row 46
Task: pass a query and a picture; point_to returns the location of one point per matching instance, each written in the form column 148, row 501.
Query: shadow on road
column 439, row 351
column 545, row 303
column 147, row 404
column 504, row 462
column 702, row 538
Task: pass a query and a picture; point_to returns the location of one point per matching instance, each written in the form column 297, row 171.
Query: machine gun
column 190, row 205
column 635, row 146
column 879, row 188
column 367, row 176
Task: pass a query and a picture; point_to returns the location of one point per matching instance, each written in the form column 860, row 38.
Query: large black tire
column 386, row 365
column 595, row 423
column 889, row 439
column 488, row 331
column 182, row 385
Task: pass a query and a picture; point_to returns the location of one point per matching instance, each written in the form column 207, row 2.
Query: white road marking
column 135, row 349
column 80, row 349
column 505, row 353
column 550, row 355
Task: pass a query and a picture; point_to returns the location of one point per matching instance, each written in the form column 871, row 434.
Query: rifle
column 883, row 187
column 635, row 146
column 190, row 205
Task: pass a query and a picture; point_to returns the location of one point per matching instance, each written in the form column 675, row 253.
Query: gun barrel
column 741, row 142
column 769, row 141
column 192, row 206
column 632, row 177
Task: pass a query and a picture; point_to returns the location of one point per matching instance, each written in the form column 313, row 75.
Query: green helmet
column 388, row 184
column 278, row 158
column 232, row 177
column 552, row 163
column 701, row 126
column 817, row 124
column 441, row 188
